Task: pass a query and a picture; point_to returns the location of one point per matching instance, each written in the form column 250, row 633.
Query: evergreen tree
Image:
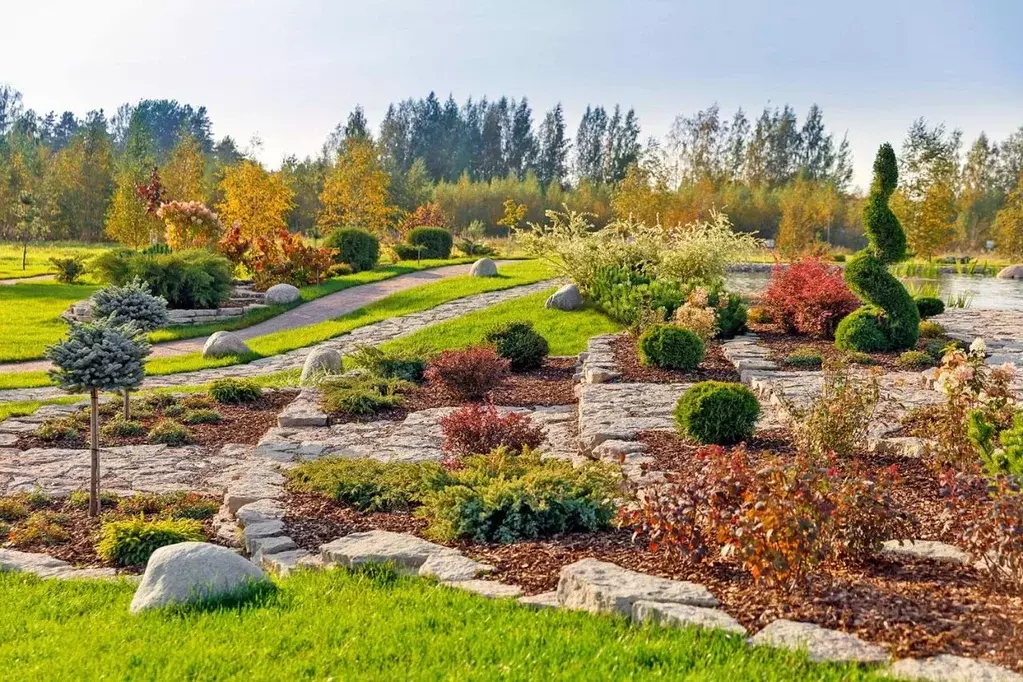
column 521, row 141
column 552, row 148
column 818, row 150
column 980, row 195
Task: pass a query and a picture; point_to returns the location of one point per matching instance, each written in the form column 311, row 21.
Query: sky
column 288, row 71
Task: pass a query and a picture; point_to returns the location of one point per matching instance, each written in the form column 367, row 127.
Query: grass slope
column 566, row 332
column 363, row 626
column 39, row 254
column 29, row 316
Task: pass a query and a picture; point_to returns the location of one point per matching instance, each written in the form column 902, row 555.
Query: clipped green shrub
column 731, row 316
column 890, row 319
column 368, row 484
column 931, row 330
column 915, row 359
column 131, row 543
column 188, row 279
column 929, row 306
column 670, row 347
column 358, row 249
column 807, row 358
column 230, row 391
column 122, row 427
column 436, row 242
column 521, row 345
column 717, row 412
column 361, row 395
column 202, row 416
column 502, row 497
column 408, row 252
column 169, row 432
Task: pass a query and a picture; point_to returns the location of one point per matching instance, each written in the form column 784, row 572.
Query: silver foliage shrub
column 132, row 302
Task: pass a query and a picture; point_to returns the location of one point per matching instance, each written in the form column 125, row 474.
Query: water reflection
column 989, row 293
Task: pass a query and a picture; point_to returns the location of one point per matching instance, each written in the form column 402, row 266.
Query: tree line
column 65, row 177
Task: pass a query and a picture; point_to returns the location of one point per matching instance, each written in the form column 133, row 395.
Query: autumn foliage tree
column 426, row 215
column 257, row 200
column 184, row 173
column 355, row 193
column 1009, row 223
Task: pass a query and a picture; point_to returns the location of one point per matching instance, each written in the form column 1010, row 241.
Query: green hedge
column 436, row 242
column 187, row 279
column 356, row 248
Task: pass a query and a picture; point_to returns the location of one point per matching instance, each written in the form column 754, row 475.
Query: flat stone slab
column 406, row 552
column 259, row 511
column 820, row 644
column 303, row 411
column 683, row 615
column 925, row 549
column 486, row 588
column 544, row 600
column 45, row 566
column 593, row 585
column 283, row 563
column 260, row 547
column 946, row 668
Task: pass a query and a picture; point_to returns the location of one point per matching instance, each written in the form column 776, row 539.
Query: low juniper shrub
column 131, row 543
column 230, row 391
column 169, row 432
column 805, row 358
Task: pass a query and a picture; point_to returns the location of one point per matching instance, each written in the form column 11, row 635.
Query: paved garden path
column 368, row 335
column 322, row 309
column 18, row 280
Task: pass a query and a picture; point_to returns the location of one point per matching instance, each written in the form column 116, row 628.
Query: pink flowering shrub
column 190, row 225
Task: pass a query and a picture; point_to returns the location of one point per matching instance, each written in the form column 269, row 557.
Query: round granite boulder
column 282, row 294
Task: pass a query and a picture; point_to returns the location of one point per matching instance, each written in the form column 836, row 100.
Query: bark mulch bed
column 245, row 423
column 915, row 607
column 549, row 385
column 83, row 531
column 715, row 367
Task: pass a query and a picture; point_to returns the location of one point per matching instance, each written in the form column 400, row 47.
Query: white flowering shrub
column 99, row 355
column 132, row 302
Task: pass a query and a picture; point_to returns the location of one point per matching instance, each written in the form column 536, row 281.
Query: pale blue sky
column 290, row 71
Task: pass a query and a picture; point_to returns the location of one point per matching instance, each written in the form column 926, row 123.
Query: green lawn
column 364, row 626
column 39, row 255
column 566, row 332
column 29, row 316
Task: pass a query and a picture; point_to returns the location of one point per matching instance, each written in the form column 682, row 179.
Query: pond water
column 989, row 293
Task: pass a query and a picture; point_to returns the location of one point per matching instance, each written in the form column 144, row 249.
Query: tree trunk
column 94, row 452
column 127, row 406
column 24, row 256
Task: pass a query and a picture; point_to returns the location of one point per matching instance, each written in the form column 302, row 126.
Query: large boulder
column 190, row 572
column 221, row 344
column 281, row 294
column 565, row 298
column 1011, row 272
column 484, row 267
column 321, row 361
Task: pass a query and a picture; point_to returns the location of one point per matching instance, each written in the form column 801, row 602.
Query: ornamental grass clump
column 230, row 391
column 717, row 412
column 95, row 357
column 889, row 320
column 131, row 543
column 521, row 345
column 670, row 347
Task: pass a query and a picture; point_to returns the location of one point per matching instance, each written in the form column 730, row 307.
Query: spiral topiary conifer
column 889, row 320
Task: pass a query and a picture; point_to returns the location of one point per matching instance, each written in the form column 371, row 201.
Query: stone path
column 18, row 280
column 328, row 307
column 371, row 334
column 1002, row 331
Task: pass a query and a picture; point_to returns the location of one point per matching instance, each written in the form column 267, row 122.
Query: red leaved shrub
column 477, row 429
column 468, row 373
column 808, row 297
column 282, row 257
column 779, row 519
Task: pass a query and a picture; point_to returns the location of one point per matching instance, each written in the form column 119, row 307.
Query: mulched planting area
column 245, row 424
column 914, row 607
column 715, row 367
column 549, row 385
column 83, row 531
column 781, row 344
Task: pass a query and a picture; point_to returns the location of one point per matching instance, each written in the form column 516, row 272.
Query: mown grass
column 307, row 293
column 39, row 254
column 30, row 316
column 370, row 625
column 566, row 332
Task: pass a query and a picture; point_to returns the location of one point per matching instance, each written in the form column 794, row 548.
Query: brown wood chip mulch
column 715, row 367
column 245, row 424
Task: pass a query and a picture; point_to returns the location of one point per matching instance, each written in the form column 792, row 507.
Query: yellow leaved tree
column 257, row 200
column 355, row 193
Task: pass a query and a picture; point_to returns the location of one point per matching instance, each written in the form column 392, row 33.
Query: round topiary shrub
column 717, row 413
column 519, row 344
column 435, row 242
column 928, row 306
column 670, row 347
column 890, row 310
column 356, row 248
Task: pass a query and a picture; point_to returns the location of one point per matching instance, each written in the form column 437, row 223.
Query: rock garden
column 832, row 467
